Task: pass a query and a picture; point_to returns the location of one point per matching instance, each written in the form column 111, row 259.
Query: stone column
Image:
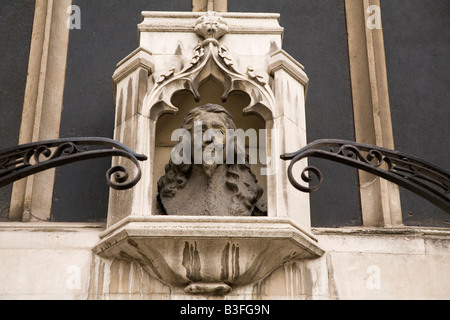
column 380, row 199
column 290, row 84
column 32, row 197
column 131, row 83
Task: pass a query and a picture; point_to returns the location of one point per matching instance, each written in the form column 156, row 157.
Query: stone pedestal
column 208, row 255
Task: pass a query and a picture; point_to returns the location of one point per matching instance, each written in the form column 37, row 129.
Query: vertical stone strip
column 380, row 199
column 41, row 117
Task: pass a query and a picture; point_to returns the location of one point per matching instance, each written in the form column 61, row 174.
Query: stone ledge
column 49, row 226
column 189, row 221
column 238, row 23
column 44, row 236
column 410, row 231
column 208, row 254
column 411, row 241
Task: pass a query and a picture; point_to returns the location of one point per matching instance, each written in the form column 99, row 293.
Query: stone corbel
column 207, row 255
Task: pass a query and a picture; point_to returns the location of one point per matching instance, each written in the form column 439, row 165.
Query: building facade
column 367, row 71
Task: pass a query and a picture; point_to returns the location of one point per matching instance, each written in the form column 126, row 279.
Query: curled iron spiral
column 28, row 159
column 417, row 175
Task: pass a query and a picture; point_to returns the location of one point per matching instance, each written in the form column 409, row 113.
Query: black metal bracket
column 423, row 178
column 28, row 159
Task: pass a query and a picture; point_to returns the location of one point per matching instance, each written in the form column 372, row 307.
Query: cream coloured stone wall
column 55, row 261
column 46, row 260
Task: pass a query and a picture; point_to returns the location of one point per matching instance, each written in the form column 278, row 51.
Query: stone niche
column 185, row 60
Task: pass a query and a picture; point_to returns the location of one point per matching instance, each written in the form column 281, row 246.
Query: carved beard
column 209, row 168
column 209, row 165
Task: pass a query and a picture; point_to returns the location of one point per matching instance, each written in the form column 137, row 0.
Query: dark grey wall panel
column 108, row 34
column 417, row 40
column 16, row 24
column 316, row 36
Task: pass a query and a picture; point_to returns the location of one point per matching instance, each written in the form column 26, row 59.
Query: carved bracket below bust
column 207, row 255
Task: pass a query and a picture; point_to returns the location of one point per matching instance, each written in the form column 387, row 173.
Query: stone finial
column 209, row 5
column 210, row 26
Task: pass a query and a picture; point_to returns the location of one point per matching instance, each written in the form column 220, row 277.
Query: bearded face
column 203, row 186
column 208, row 137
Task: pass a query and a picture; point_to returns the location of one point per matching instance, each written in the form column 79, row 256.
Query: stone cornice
column 280, row 59
column 138, row 58
column 238, row 23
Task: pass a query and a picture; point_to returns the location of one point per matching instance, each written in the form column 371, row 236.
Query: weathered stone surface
column 360, row 263
column 210, row 188
column 46, row 261
column 243, row 69
column 211, row 26
column 207, row 254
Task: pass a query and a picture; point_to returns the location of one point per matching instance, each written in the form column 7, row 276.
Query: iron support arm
column 414, row 174
column 28, row 159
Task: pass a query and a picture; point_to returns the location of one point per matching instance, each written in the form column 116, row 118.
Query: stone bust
column 210, row 187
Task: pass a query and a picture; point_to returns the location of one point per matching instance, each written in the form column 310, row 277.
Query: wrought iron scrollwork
column 414, row 174
column 28, row 159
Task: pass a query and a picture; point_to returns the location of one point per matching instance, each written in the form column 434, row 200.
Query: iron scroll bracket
column 419, row 176
column 24, row 160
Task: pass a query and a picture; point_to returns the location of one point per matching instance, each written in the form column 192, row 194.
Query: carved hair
column 226, row 117
column 176, row 176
